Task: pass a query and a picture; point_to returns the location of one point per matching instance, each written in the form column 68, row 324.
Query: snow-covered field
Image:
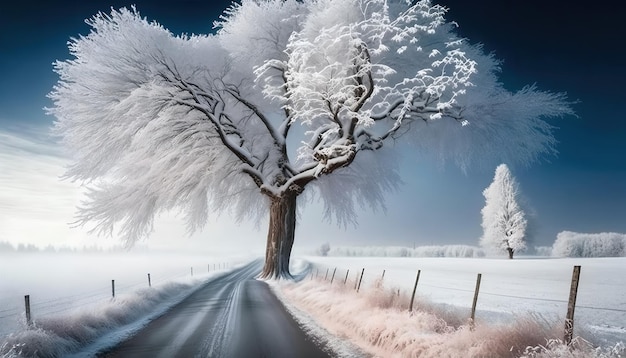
column 509, row 290
column 72, row 294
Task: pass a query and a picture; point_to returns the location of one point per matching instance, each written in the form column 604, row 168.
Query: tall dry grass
column 377, row 320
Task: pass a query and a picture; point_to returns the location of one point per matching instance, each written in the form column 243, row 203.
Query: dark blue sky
column 575, row 48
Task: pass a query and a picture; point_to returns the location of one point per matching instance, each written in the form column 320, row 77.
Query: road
column 231, row 316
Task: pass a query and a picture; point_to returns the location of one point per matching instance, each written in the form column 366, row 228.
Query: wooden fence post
column 326, row 276
column 571, row 305
column 417, row 278
column 346, row 279
column 473, row 315
column 29, row 321
column 113, row 288
column 361, row 279
column 331, row 280
column 192, row 272
column 149, row 282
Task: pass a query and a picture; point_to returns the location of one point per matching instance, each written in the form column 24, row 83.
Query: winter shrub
column 573, row 244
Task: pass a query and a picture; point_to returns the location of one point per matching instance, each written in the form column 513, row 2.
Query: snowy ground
column 510, row 289
column 71, row 295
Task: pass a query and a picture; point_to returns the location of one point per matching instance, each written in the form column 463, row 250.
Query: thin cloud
column 37, row 206
column 35, row 140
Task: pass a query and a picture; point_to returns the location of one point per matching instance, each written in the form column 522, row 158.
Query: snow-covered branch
column 287, row 94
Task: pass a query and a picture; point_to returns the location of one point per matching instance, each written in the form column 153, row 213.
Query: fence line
column 375, row 280
column 17, row 313
column 7, row 310
column 32, row 308
column 447, row 288
column 483, row 293
column 475, row 300
column 523, row 298
column 417, row 278
column 601, row 309
column 571, row 306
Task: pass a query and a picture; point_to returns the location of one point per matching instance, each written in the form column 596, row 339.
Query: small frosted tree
column 324, row 249
column 288, row 99
column 505, row 223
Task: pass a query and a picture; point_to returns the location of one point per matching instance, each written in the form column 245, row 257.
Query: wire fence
column 16, row 312
column 500, row 296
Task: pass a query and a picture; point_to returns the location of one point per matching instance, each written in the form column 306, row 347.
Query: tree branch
column 279, row 140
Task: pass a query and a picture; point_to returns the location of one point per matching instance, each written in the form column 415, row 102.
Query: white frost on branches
column 504, row 221
column 286, row 93
column 575, row 244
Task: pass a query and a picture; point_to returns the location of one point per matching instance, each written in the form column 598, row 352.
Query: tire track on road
column 232, row 316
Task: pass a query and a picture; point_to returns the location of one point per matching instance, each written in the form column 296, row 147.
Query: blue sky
column 563, row 49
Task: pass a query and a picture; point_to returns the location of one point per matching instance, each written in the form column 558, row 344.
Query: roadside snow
column 340, row 346
column 522, row 286
column 521, row 305
column 90, row 328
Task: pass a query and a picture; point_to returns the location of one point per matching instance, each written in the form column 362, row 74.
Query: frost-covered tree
column 505, row 223
column 604, row 244
column 324, row 249
column 287, row 100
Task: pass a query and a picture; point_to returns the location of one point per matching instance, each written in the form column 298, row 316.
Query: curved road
column 231, row 316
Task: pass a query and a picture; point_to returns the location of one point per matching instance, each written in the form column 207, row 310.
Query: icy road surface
column 232, row 316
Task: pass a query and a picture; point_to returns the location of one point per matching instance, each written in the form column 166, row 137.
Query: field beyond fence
column 70, row 284
column 583, row 294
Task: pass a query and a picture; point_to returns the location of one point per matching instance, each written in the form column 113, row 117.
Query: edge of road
column 111, row 339
column 337, row 346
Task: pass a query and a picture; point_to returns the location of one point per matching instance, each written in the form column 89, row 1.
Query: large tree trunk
column 280, row 236
column 511, row 251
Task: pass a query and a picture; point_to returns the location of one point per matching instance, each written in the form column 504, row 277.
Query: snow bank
column 100, row 325
column 399, row 251
column 378, row 321
column 573, row 244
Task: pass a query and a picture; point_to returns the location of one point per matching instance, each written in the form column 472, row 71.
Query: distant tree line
column 567, row 244
column 574, row 244
column 400, row 251
column 7, row 247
